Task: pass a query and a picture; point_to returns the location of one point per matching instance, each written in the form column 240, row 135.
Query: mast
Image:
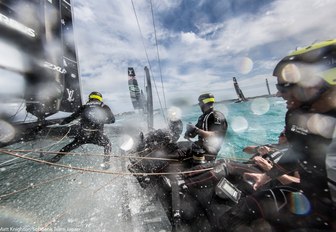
column 150, row 118
column 239, row 92
column 268, row 89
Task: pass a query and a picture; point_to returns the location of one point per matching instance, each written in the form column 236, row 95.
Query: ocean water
column 39, row 197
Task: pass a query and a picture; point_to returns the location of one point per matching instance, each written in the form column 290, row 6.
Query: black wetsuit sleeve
column 73, row 116
column 331, row 170
column 110, row 115
column 285, row 165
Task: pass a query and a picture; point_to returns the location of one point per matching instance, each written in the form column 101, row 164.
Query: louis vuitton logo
column 70, row 95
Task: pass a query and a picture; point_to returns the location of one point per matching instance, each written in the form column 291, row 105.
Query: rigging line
column 87, row 154
column 53, row 144
column 158, row 54
column 157, row 93
column 8, row 161
column 70, row 207
column 103, row 171
column 20, row 108
column 52, row 221
column 59, row 216
column 141, row 35
column 39, row 184
column 143, row 44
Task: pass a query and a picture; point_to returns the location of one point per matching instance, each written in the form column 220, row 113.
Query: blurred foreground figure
column 93, row 115
column 307, row 82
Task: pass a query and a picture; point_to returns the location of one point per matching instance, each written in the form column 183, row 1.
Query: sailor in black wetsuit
column 264, row 158
column 307, row 81
column 211, row 129
column 160, row 143
column 93, row 115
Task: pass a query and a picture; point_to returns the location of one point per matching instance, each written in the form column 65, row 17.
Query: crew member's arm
column 73, row 116
column 110, row 116
column 207, row 134
column 288, row 179
column 331, row 169
column 267, row 165
column 284, row 166
column 250, row 149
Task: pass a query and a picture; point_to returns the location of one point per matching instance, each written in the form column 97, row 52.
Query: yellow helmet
column 309, row 65
column 206, row 98
column 96, row 95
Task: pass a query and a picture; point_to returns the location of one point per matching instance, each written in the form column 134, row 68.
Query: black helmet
column 310, row 66
column 206, row 98
column 96, row 95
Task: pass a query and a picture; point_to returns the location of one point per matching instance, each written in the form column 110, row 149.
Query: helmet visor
column 207, row 100
column 94, row 96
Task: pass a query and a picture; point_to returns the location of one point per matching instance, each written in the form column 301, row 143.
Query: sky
column 192, row 46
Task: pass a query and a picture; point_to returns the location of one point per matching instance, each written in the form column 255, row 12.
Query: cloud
column 197, row 47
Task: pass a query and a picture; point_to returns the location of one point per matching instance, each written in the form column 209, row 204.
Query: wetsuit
column 309, row 141
column 212, row 120
column 231, row 169
column 159, row 143
column 94, row 114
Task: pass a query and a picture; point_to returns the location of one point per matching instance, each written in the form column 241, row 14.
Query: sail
column 135, row 93
column 72, row 98
column 141, row 101
column 239, row 92
column 42, row 64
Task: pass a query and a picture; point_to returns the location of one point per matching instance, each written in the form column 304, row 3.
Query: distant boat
column 239, row 92
column 141, row 102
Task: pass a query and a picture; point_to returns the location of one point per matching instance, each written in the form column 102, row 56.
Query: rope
column 104, row 171
column 7, row 161
column 149, row 64
column 38, row 184
column 87, row 154
column 52, row 221
column 158, row 56
column 59, row 216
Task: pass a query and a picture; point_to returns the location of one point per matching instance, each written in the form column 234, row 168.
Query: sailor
column 160, row 143
column 307, row 82
column 262, row 161
column 211, row 129
column 93, row 115
column 163, row 137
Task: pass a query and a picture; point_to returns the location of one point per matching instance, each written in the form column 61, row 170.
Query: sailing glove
column 191, row 131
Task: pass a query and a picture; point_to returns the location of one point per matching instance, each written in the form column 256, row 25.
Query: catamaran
column 239, row 92
column 39, row 58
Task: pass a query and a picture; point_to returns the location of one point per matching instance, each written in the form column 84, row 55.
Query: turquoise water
column 255, row 122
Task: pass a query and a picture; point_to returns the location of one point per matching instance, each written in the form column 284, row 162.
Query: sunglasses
column 283, row 88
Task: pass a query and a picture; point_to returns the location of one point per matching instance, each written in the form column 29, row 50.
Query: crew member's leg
column 71, row 146
column 102, row 140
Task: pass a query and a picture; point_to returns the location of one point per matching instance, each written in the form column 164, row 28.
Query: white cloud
column 108, row 41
